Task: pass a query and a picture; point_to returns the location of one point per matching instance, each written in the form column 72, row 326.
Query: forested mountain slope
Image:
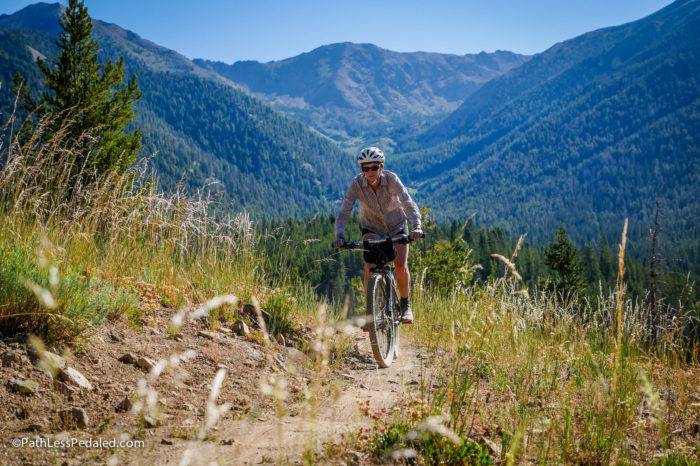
column 590, row 131
column 202, row 129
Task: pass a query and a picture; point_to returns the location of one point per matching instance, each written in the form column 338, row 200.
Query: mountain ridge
column 349, row 91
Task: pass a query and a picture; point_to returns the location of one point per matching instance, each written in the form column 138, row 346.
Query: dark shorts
column 386, row 251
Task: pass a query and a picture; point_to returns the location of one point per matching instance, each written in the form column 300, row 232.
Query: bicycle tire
column 381, row 329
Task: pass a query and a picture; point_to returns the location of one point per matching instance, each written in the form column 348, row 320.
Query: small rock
column 125, row 405
column 206, row 334
column 228, row 441
column 23, row 387
column 145, row 363
column 166, row 441
column 75, row 416
column 128, row 358
column 280, row 340
column 154, row 331
column 224, row 330
column 414, row 382
column 74, row 378
column 241, row 328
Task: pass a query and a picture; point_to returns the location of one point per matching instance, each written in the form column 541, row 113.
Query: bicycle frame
column 391, row 318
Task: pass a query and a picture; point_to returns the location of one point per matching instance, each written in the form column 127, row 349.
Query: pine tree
column 90, row 98
column 561, row 256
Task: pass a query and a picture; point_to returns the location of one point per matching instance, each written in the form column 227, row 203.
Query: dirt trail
column 251, row 433
column 283, row 440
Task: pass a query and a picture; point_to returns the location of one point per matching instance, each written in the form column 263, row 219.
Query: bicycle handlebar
column 401, row 239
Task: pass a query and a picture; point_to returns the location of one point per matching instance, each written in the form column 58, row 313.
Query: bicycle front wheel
column 381, row 331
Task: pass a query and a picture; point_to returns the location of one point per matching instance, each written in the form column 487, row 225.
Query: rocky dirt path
column 272, row 439
column 251, row 433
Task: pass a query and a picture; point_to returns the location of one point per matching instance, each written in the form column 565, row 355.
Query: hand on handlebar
column 417, row 234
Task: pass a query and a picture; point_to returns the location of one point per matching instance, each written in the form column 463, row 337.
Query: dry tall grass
column 539, row 380
column 116, row 233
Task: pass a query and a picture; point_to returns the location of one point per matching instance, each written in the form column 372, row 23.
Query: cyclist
column 385, row 208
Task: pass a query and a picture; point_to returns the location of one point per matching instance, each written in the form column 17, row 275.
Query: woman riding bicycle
column 385, row 207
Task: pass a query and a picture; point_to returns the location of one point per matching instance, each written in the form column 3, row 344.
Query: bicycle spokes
column 382, row 331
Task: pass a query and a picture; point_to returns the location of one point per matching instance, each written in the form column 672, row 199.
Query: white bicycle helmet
column 370, row 154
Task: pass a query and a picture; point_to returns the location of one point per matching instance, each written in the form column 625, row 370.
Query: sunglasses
column 373, row 168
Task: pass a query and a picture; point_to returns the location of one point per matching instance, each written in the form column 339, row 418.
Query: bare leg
column 403, row 277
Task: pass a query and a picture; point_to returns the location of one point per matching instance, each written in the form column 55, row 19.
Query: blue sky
column 275, row 29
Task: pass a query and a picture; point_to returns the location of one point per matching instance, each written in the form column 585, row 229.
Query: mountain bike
column 382, row 299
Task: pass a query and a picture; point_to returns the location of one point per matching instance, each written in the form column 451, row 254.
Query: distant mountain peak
column 37, row 16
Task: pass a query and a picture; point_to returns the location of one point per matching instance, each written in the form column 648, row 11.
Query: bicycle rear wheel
column 381, row 331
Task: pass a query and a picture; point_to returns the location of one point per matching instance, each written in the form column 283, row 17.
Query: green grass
column 430, row 447
column 80, row 301
column 676, row 460
column 552, row 390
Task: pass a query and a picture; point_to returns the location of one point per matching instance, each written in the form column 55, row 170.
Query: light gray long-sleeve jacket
column 384, row 212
